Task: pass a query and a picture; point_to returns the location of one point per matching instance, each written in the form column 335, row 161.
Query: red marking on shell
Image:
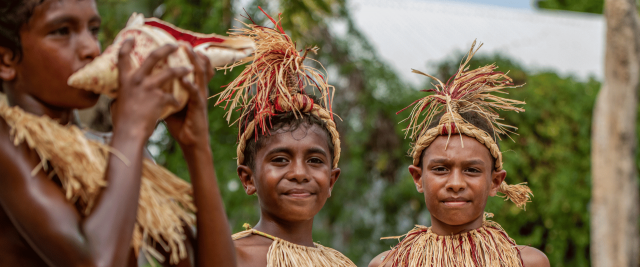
column 180, row 34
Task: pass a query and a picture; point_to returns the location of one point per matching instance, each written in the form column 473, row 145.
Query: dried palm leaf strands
column 165, row 204
column 279, row 76
column 283, row 253
column 467, row 91
column 488, row 246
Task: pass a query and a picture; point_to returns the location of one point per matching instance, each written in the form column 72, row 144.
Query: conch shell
column 101, row 75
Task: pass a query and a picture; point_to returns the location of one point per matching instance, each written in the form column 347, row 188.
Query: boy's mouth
column 455, row 201
column 298, row 193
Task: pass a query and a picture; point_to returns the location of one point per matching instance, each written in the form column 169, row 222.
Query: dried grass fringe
column 488, row 245
column 286, row 254
column 165, row 203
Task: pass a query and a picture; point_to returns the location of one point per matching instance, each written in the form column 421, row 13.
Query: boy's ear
column 246, row 178
column 8, row 61
column 416, row 173
column 496, row 179
column 335, row 174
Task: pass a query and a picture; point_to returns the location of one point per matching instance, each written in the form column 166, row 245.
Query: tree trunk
column 615, row 239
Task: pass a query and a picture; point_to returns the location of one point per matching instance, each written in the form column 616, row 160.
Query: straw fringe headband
column 279, row 76
column 467, row 91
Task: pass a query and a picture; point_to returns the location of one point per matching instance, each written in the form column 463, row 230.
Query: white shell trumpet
column 101, row 75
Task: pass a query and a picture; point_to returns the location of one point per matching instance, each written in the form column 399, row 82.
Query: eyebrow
column 62, row 19
column 95, row 18
column 438, row 160
column 474, row 162
column 71, row 19
column 279, row 150
column 466, row 162
column 317, row 150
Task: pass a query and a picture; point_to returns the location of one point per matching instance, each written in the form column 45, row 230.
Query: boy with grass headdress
column 288, row 151
column 457, row 164
column 66, row 200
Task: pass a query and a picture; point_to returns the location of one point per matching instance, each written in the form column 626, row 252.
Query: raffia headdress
column 101, row 75
column 467, row 91
column 279, row 76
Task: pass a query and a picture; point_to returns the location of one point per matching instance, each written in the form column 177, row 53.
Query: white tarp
column 419, row 33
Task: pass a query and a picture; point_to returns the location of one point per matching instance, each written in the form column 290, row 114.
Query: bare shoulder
column 12, row 156
column 252, row 251
column 5, row 137
column 532, row 257
column 378, row 259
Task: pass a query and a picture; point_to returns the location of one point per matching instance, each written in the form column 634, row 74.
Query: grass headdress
column 279, row 76
column 467, row 91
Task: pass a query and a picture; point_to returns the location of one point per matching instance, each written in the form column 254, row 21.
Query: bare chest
column 14, row 249
column 252, row 256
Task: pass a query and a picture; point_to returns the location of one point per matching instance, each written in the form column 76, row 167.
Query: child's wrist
column 199, row 148
column 135, row 134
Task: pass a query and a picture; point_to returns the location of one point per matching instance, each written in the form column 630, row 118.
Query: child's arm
column 377, row 261
column 190, row 128
column 37, row 205
column 532, row 257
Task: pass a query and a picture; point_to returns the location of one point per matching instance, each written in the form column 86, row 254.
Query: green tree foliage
column 375, row 196
column 589, row 6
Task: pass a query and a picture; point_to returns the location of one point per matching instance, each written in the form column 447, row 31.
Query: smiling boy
column 457, row 165
column 81, row 208
column 288, row 152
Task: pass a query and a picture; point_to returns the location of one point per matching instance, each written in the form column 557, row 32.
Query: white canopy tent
column 419, row 33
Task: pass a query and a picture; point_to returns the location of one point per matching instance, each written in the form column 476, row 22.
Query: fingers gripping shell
column 101, row 75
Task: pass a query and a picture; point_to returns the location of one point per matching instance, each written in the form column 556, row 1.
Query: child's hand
column 141, row 98
column 190, row 126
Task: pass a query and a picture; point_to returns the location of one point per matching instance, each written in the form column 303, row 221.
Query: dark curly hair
column 287, row 122
column 473, row 118
column 14, row 14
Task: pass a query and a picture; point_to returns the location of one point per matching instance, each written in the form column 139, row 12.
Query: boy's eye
column 473, row 170
column 280, row 160
column 95, row 30
column 61, row 31
column 439, row 169
column 316, row 160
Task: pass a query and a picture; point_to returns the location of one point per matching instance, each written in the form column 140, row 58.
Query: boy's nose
column 88, row 46
column 297, row 172
column 456, row 182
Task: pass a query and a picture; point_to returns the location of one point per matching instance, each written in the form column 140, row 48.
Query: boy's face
column 456, row 182
column 59, row 39
column 293, row 174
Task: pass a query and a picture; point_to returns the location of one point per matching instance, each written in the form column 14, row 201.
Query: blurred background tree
column 375, row 196
column 614, row 204
column 596, row 7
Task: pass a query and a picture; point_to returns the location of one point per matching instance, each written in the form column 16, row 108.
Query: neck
column 34, row 106
column 298, row 232
column 441, row 228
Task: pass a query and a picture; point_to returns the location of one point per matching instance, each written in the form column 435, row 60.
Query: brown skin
column 39, row 226
column 293, row 177
column 456, row 184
